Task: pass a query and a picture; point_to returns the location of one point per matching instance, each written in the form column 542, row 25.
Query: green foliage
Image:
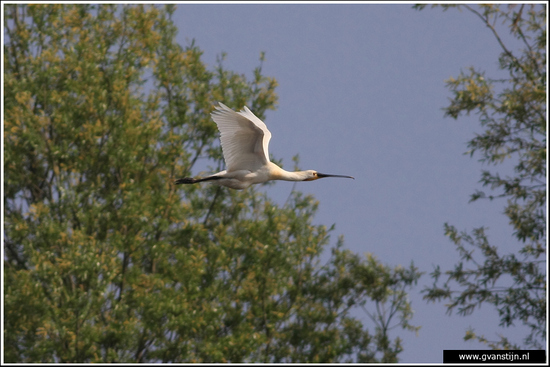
column 513, row 113
column 107, row 261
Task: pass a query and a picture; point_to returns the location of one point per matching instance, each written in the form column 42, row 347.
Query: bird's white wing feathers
column 244, row 138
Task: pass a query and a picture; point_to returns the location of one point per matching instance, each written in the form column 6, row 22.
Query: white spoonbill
column 245, row 141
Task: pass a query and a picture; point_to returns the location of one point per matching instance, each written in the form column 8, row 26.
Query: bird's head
column 312, row 175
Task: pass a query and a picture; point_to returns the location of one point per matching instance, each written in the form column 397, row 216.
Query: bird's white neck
column 277, row 173
column 294, row 176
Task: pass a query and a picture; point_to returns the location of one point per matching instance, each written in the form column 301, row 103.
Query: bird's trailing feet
column 186, row 180
column 191, row 180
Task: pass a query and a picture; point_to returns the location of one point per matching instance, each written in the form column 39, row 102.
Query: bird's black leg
column 191, row 180
column 186, row 180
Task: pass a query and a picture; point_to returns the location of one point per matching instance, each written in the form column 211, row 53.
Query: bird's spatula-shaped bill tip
column 323, row 175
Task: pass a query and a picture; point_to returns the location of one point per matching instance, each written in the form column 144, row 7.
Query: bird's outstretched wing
column 244, row 138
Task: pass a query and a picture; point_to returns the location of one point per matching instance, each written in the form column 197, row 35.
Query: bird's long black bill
column 323, row 175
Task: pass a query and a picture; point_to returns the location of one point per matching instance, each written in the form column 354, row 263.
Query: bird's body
column 245, row 141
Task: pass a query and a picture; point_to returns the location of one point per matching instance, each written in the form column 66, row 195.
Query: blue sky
column 361, row 92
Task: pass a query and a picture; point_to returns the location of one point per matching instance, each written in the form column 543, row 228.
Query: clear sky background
column 361, row 92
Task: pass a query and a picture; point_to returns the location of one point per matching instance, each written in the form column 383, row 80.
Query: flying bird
column 245, row 141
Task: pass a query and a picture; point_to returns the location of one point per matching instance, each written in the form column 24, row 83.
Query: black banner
column 494, row 356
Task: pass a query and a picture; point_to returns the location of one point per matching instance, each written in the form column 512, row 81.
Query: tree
column 106, row 260
column 513, row 112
